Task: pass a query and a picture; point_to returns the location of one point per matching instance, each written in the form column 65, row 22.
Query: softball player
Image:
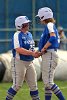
column 48, row 45
column 23, row 55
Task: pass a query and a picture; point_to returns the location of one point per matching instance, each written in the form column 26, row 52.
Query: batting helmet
column 45, row 13
column 19, row 21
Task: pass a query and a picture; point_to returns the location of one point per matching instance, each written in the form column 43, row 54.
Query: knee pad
column 16, row 87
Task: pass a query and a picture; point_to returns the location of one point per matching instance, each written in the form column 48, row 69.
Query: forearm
column 24, row 51
column 48, row 44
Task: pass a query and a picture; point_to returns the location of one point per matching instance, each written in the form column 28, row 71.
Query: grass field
column 23, row 93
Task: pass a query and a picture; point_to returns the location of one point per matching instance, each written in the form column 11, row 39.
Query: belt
column 51, row 49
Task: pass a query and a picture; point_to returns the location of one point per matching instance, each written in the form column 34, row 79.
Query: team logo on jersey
column 23, row 37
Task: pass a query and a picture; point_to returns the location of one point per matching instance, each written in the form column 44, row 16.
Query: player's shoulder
column 16, row 34
column 29, row 33
column 50, row 24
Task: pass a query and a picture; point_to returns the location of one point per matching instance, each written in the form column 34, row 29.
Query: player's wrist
column 31, row 53
column 45, row 48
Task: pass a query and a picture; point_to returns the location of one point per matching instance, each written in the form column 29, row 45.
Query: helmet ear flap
column 19, row 27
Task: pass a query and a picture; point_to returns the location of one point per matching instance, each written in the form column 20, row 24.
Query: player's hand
column 36, row 54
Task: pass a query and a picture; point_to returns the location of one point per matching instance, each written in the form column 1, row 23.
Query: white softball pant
column 49, row 63
column 23, row 70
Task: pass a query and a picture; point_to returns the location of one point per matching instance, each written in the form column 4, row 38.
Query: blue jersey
column 50, row 27
column 21, row 40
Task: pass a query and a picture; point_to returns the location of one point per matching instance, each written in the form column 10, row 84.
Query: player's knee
column 49, row 85
column 33, row 88
column 16, row 87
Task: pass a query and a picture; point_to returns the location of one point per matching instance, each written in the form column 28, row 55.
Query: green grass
column 23, row 93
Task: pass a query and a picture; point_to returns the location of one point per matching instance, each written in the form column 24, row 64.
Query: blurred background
column 10, row 9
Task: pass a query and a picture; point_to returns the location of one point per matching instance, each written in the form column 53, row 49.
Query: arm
column 49, row 42
column 24, row 51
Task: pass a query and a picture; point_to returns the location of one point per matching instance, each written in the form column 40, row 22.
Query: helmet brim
column 28, row 21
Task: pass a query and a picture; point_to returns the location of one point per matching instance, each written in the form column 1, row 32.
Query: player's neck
column 24, row 31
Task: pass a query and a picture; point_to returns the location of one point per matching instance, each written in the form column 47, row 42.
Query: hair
column 50, row 20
